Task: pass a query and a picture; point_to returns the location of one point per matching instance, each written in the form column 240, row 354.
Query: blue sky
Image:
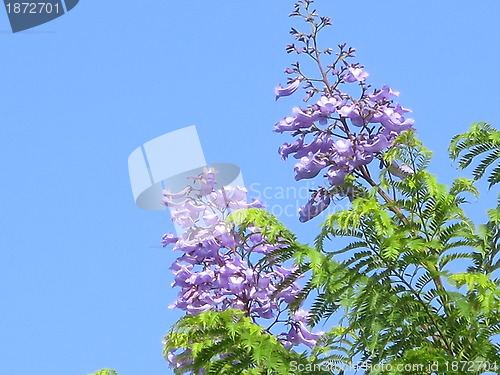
column 82, row 284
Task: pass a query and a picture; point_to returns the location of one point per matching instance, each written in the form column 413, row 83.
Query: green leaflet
column 105, row 372
column 481, row 141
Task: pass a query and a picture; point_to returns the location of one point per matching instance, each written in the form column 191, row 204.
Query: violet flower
column 321, row 143
column 308, row 167
column 287, row 149
column 300, row 334
column 385, row 93
column 376, row 144
column 328, row 105
column 280, row 91
column 168, row 239
column 315, row 206
column 356, row 74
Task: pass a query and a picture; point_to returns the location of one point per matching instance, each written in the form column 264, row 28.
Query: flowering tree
column 391, row 297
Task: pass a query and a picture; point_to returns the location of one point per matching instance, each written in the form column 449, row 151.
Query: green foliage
column 482, row 139
column 228, row 342
column 394, row 285
column 394, row 288
column 489, row 245
column 269, row 225
column 105, row 372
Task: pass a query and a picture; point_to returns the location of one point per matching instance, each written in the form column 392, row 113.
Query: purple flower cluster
column 340, row 135
column 214, row 271
column 334, row 147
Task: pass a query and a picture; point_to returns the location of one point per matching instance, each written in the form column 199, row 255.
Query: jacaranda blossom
column 280, row 91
